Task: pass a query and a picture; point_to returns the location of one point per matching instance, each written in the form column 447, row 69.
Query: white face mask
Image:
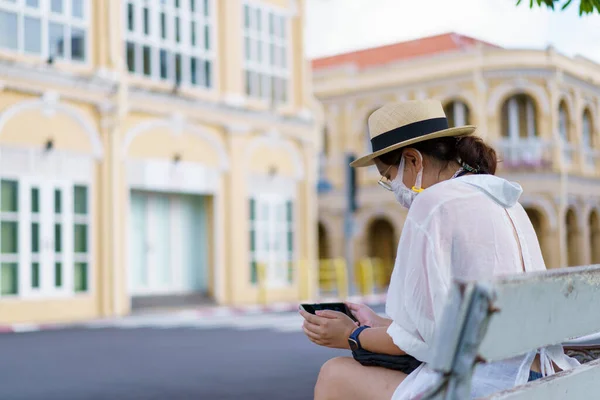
column 404, row 195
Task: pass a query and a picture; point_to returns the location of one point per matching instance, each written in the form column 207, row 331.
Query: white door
column 168, row 244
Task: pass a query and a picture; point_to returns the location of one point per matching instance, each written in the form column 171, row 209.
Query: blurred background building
column 538, row 108
column 152, row 153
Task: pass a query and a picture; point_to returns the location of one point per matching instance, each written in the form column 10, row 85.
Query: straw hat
column 397, row 125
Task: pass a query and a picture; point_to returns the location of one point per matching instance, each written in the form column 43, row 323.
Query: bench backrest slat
column 542, row 309
column 511, row 316
column 579, row 383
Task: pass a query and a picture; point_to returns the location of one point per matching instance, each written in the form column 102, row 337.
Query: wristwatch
column 353, row 339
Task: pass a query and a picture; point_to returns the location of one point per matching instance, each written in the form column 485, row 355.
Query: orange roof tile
column 426, row 46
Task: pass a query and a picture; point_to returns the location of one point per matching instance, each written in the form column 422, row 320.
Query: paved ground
column 180, row 357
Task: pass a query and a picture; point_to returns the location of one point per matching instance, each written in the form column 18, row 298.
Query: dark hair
column 470, row 149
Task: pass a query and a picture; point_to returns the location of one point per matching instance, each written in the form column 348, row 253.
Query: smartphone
column 341, row 307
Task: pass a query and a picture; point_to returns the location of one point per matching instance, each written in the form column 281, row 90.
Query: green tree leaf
column 585, row 6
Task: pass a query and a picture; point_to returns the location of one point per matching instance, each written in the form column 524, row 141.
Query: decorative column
column 236, row 216
column 104, row 280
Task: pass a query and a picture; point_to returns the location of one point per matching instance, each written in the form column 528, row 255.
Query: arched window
column 519, row 117
column 563, row 122
column 564, row 131
column 382, row 247
column 457, row 113
column 587, row 131
column 573, row 253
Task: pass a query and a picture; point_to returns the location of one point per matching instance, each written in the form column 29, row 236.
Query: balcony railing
column 525, row 153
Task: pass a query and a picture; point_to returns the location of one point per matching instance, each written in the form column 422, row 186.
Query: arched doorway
column 382, row 245
column 573, row 256
column 324, row 250
column 540, row 224
column 595, row 237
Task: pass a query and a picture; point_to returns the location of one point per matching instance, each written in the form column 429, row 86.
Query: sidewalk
column 205, row 313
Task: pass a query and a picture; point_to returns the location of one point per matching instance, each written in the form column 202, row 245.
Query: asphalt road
column 152, row 363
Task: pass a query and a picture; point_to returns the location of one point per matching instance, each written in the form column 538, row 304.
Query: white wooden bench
column 488, row 321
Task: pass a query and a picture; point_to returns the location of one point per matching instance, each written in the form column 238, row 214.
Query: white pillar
column 530, row 119
column 460, row 113
column 513, row 129
column 513, row 119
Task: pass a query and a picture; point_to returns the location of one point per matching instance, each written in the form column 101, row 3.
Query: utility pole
column 351, row 206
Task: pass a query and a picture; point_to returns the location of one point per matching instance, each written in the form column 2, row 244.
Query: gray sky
column 336, row 26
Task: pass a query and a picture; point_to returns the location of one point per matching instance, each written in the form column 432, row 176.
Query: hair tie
column 467, row 167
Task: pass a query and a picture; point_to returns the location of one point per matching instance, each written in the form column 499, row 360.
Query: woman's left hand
column 328, row 328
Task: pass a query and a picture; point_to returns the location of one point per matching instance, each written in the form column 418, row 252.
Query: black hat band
column 408, row 132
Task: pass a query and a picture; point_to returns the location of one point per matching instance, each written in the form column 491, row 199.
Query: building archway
column 382, row 245
column 572, row 231
column 519, row 117
column 595, row 237
column 541, row 225
column 457, row 112
column 324, row 246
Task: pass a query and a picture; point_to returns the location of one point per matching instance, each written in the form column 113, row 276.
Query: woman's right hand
column 366, row 316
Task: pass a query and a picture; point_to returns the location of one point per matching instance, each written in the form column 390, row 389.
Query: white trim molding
column 49, row 104
column 517, row 86
column 177, row 124
column 274, row 141
column 165, row 176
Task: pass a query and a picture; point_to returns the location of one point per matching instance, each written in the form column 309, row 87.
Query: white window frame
column 270, row 230
column 184, row 47
column 47, row 257
column 590, row 152
column 273, row 190
column 514, row 118
column 564, row 126
column 43, row 13
column 530, row 149
column 83, row 219
column 253, row 68
column 57, row 168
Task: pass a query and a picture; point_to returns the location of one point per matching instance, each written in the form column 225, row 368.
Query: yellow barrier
column 365, row 276
column 342, row 278
column 373, row 275
column 333, row 277
column 307, row 284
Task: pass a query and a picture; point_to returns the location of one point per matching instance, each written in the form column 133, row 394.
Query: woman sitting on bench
column 463, row 222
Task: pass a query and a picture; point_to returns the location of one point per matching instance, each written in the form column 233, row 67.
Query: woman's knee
column 331, row 378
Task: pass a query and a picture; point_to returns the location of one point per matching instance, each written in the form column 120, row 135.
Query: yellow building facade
column 539, row 109
column 152, row 153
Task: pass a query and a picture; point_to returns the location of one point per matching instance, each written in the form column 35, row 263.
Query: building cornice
column 399, row 90
column 144, row 100
column 21, row 76
column 495, row 63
